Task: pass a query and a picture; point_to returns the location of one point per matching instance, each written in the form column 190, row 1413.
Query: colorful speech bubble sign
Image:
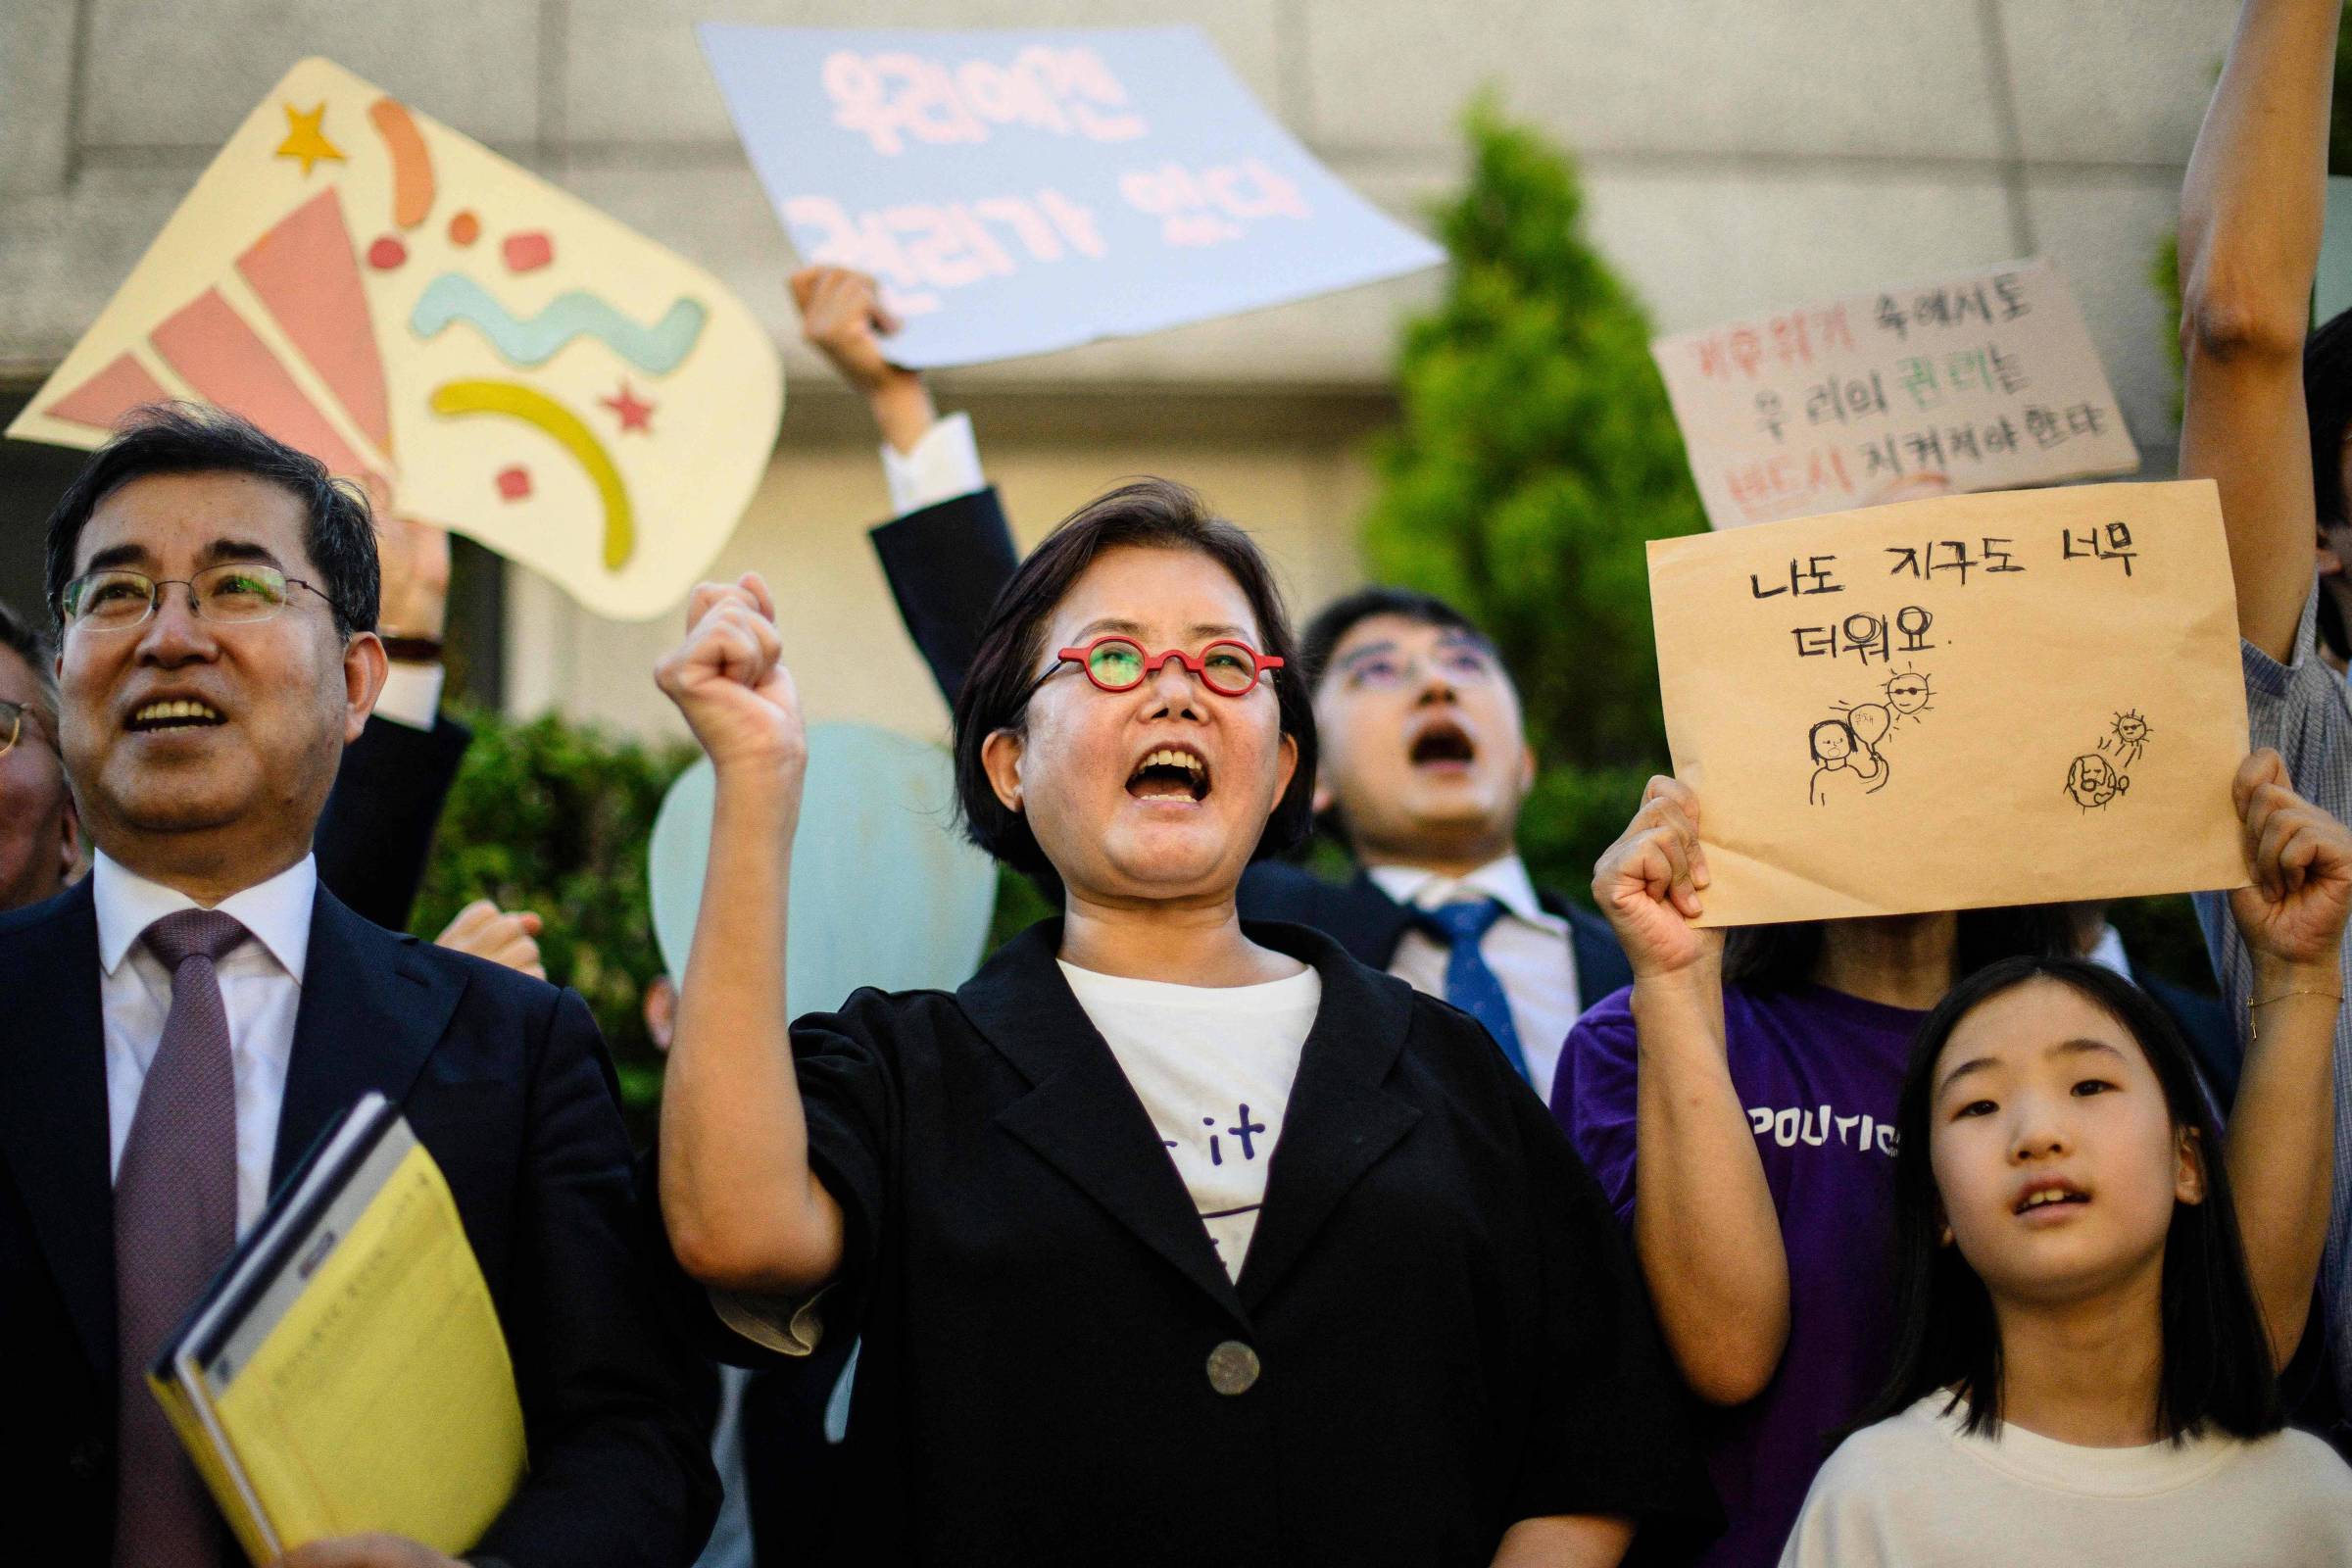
column 483, row 351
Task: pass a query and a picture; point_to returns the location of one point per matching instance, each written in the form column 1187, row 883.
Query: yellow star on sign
column 305, row 140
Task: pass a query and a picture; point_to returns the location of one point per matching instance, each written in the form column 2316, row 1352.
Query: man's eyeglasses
column 1228, row 667
column 1392, row 672
column 118, row 601
column 16, row 722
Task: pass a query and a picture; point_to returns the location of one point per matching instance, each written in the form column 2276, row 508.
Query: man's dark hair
column 1157, row 514
column 25, row 640
column 339, row 536
column 1338, row 619
column 2327, row 407
column 2216, row 1366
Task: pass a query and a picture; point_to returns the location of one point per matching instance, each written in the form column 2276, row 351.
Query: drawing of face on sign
column 2093, row 781
column 1844, row 755
column 482, row 350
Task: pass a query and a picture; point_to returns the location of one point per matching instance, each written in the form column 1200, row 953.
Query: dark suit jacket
column 376, row 833
column 504, row 1080
column 1362, row 918
column 946, row 565
column 1449, row 1330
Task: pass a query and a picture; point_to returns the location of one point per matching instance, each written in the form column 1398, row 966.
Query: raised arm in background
column 377, row 834
column 2251, row 212
column 948, row 549
column 2281, row 1142
column 1706, row 1230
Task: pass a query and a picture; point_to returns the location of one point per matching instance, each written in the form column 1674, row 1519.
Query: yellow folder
column 346, row 1372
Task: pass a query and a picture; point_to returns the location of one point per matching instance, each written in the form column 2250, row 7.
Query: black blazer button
column 87, row 1461
column 1232, row 1368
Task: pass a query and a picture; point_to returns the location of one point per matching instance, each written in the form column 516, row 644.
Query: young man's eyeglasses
column 1228, row 667
column 1385, row 668
column 117, row 601
column 16, row 722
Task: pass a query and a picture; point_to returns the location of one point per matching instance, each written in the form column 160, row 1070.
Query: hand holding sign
column 1648, row 884
column 2293, row 914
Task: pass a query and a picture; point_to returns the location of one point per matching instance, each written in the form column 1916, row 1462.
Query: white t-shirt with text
column 1213, row 1066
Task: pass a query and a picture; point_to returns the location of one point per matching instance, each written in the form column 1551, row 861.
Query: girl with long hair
column 2094, row 1290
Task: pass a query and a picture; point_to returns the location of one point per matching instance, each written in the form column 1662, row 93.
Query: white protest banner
column 1974, row 700
column 1021, row 191
column 1982, row 383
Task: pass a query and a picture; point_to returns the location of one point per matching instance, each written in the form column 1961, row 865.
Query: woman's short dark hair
column 339, row 533
column 1782, row 956
column 1157, row 514
column 2218, row 1369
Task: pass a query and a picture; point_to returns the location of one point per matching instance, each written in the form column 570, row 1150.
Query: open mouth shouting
column 173, row 713
column 1443, row 746
column 2049, row 1198
column 1176, row 773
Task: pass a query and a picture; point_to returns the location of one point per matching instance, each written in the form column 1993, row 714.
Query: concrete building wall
column 1736, row 156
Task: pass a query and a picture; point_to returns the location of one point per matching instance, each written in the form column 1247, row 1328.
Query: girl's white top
column 1914, row 1490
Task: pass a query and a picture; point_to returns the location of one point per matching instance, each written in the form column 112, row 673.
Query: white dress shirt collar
column 2109, row 952
column 278, row 911
column 1506, row 880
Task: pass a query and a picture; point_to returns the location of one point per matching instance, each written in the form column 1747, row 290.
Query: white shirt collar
column 2109, row 952
column 278, row 911
column 1506, row 880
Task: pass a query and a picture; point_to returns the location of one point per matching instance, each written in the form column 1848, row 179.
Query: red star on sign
column 635, row 413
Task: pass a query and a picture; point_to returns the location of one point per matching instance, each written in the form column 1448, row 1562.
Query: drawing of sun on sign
column 478, row 349
column 1908, row 695
column 2129, row 737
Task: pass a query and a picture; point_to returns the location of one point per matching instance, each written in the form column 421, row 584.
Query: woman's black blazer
column 1438, row 1329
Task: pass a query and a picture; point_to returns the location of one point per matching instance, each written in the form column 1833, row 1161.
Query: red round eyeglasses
column 1228, row 667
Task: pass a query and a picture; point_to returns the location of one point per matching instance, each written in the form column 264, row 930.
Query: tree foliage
column 554, row 817
column 1534, row 456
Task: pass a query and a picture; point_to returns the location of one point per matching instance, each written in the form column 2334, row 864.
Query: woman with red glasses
column 1170, row 1240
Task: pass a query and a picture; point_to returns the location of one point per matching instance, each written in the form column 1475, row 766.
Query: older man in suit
column 185, row 1021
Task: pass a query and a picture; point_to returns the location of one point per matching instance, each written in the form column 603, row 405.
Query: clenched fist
column 728, row 680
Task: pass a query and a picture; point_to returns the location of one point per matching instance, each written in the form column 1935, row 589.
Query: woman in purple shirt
column 1737, row 1108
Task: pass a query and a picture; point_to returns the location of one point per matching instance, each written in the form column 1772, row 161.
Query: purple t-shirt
column 1818, row 1072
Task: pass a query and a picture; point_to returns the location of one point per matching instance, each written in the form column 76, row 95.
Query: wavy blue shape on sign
column 656, row 350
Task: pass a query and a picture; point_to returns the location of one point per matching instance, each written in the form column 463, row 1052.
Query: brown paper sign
column 2014, row 698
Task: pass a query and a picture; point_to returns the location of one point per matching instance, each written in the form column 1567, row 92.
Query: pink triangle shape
column 306, row 277
column 105, row 397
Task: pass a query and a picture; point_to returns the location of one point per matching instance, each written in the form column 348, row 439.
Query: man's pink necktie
column 176, row 1220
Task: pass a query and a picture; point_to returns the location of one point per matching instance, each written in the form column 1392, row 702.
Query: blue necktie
column 1469, row 984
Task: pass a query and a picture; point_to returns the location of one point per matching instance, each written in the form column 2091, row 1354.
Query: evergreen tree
column 1535, row 454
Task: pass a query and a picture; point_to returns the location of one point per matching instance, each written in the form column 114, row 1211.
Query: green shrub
column 554, row 817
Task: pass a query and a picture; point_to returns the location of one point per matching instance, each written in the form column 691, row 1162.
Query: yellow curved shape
column 518, row 402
